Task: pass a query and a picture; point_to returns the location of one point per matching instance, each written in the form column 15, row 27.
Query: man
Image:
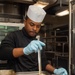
column 20, row 47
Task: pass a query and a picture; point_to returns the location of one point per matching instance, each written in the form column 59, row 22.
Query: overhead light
column 57, row 29
column 63, row 10
column 41, row 4
column 42, row 24
column 62, row 13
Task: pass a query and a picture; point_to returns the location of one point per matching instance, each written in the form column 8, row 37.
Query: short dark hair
column 26, row 17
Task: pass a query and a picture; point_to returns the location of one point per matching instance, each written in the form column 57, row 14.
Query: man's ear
column 24, row 21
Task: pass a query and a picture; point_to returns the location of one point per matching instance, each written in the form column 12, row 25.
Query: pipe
column 39, row 57
column 70, row 29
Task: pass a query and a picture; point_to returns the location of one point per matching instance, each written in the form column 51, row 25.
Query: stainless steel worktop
column 32, row 73
column 11, row 72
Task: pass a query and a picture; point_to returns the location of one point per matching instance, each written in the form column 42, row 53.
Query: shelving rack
column 57, row 49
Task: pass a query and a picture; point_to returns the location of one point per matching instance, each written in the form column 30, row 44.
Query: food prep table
column 30, row 73
column 11, row 72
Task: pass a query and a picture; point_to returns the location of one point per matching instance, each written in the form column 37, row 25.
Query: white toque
column 36, row 13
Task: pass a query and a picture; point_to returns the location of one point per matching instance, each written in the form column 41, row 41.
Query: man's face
column 32, row 27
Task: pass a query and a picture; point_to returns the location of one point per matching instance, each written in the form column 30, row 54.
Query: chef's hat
column 36, row 13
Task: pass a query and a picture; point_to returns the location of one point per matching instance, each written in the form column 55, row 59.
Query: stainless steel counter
column 11, row 72
column 32, row 73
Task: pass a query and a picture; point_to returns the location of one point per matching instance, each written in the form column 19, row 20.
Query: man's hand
column 33, row 46
column 60, row 71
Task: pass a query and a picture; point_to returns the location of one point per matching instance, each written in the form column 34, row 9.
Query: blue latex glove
column 33, row 46
column 60, row 71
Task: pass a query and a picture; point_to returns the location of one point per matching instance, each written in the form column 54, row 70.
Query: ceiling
column 52, row 19
column 51, row 9
column 59, row 4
